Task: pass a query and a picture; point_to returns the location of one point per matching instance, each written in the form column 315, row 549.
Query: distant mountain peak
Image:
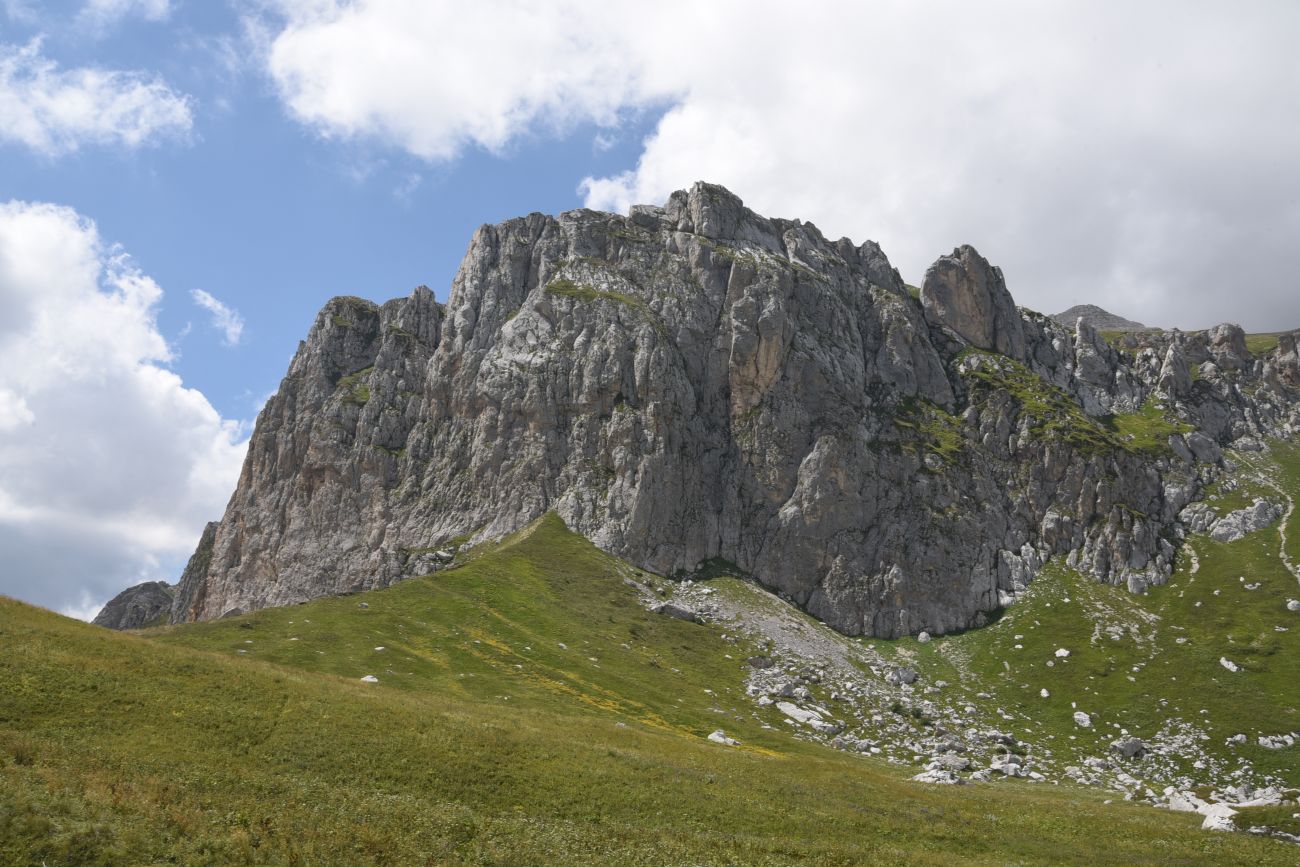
column 1099, row 319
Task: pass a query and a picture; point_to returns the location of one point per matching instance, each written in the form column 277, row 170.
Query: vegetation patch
column 566, row 288
column 1146, row 431
column 1261, row 344
column 1051, row 412
column 355, row 387
column 930, row 429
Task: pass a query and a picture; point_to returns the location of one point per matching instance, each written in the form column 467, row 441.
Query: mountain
column 697, row 388
column 1097, row 319
column 147, row 604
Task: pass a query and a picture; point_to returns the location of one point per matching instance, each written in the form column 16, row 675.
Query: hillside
column 529, row 708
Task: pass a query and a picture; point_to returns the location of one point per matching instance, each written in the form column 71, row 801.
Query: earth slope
column 509, row 724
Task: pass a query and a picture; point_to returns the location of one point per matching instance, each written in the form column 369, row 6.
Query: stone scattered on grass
column 1062, row 653
column 1229, row 664
column 370, row 678
column 720, row 737
column 1129, row 748
column 1218, row 817
column 1082, row 720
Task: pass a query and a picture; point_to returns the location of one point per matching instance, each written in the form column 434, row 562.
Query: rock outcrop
column 964, row 292
column 147, row 604
column 696, row 384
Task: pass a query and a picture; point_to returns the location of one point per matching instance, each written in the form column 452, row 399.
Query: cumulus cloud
column 225, row 319
column 55, row 111
column 109, row 465
column 435, row 76
column 1133, row 155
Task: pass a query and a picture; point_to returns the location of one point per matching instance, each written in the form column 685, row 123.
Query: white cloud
column 110, row 466
column 56, row 111
column 435, row 76
column 102, row 13
column 20, row 11
column 1135, row 155
column 225, row 319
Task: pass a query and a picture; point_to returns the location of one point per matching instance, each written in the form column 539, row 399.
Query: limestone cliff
column 697, row 382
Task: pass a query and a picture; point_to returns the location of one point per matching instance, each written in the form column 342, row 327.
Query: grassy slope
column 1146, row 677
column 474, row 748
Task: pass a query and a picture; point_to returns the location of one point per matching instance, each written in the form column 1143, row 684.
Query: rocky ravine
column 695, row 382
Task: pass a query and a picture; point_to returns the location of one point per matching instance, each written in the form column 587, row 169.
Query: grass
column 529, row 710
column 1259, row 344
column 566, row 288
column 931, row 429
column 1147, row 430
column 354, row 384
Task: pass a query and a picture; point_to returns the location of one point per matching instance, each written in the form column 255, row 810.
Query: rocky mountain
column 147, row 604
column 695, row 386
column 1096, row 318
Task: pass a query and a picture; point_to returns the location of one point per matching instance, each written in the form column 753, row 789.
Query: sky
column 184, row 183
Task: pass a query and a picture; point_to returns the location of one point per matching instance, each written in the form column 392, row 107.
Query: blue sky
column 183, row 184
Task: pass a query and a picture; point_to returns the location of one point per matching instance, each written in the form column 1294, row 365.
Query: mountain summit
column 694, row 386
column 1097, row 318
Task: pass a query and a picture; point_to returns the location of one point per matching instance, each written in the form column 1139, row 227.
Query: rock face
column 965, row 293
column 1096, row 318
column 147, row 604
column 695, row 383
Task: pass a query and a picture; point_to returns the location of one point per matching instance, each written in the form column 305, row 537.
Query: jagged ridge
column 695, row 383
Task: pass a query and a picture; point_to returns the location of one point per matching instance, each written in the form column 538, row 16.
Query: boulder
column 1129, row 748
column 677, row 612
column 1218, row 817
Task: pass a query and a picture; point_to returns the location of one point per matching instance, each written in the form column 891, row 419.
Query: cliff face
column 696, row 382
